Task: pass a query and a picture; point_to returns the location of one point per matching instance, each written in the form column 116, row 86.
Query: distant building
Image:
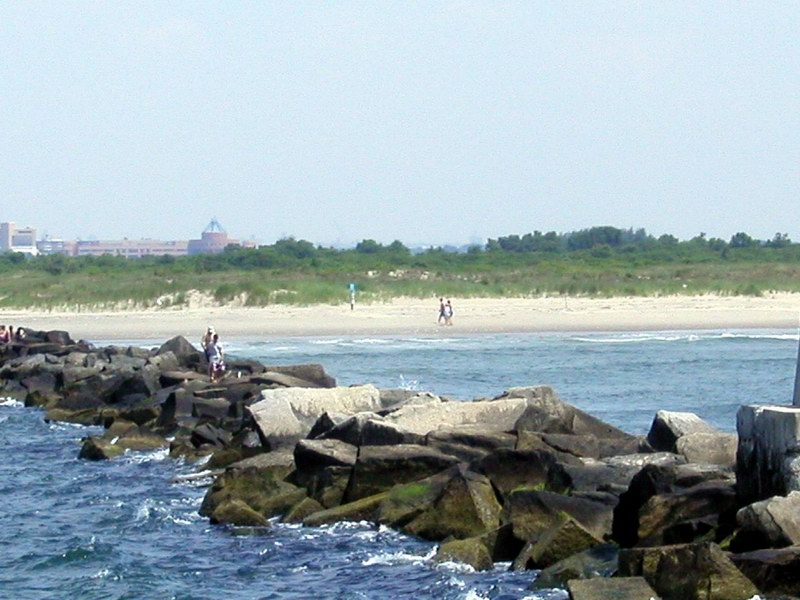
column 130, row 248
column 50, row 245
column 213, row 240
column 18, row 239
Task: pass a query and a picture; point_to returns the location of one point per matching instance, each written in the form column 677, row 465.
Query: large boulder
column 545, row 412
column 558, row 543
column 699, row 571
column 511, row 470
column 712, row 448
column 772, row 523
column 184, row 352
column 363, row 509
column 493, row 416
column 310, row 373
column 312, row 455
column 669, row 426
column 614, row 588
column 284, row 416
column 655, row 480
column 236, row 512
column 767, row 461
column 686, row 515
column 470, row 551
column 378, row 468
column 532, row 513
column 465, row 507
column 259, row 483
column 773, row 571
column 597, row 561
column 469, row 442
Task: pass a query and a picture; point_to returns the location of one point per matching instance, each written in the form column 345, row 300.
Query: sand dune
column 412, row 316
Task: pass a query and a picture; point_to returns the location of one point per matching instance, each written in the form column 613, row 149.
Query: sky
column 440, row 122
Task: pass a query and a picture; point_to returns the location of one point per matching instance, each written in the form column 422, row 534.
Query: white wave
column 473, row 595
column 327, row 342
column 411, row 384
column 10, row 402
column 639, row 338
column 102, row 574
column 398, row 558
column 346, row 525
column 458, row 567
column 367, row 536
column 138, row 458
column 144, row 510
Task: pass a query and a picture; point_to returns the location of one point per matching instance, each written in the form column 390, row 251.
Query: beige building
column 130, row 248
column 17, row 239
column 213, row 240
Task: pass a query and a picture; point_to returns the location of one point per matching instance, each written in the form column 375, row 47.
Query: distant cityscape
column 213, row 239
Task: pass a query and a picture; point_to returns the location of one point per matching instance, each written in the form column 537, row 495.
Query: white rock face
column 493, row 416
column 776, row 519
column 286, row 415
column 714, row 448
column 669, row 426
column 768, row 455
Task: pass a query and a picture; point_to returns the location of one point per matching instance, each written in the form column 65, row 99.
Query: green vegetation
column 601, row 261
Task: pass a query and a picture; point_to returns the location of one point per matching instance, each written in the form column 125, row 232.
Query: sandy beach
column 412, row 316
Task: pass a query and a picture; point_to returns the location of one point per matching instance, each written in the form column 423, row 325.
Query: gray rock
column 669, row 426
column 598, row 561
column 185, row 353
column 533, row 512
column 546, row 413
column 493, row 416
column 767, row 461
column 615, row 588
column 687, row 572
column 471, row 552
column 378, row 468
column 286, row 415
column 715, row 448
column 310, row 455
column 772, row 571
column 771, row 523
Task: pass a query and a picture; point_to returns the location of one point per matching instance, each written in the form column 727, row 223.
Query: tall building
column 17, row 239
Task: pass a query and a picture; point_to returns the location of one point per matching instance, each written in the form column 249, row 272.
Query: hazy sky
column 428, row 122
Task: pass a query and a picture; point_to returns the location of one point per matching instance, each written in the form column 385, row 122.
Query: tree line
column 592, row 244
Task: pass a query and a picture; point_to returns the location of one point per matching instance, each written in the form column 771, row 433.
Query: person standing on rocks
column 216, row 359
column 207, row 340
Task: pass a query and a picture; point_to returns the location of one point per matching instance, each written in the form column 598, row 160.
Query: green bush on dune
column 600, row 261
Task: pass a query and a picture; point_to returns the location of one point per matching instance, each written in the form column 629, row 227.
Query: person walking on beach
column 448, row 313
column 5, row 336
column 441, row 312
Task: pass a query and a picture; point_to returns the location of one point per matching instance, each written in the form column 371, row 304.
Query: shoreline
column 417, row 317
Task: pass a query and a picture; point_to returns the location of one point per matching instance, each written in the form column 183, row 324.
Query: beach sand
column 415, row 317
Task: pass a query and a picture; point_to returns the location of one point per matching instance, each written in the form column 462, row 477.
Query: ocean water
column 129, row 528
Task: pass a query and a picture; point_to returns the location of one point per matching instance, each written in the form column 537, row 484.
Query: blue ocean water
column 129, row 528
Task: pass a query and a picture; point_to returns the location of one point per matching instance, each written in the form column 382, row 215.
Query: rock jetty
column 686, row 512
